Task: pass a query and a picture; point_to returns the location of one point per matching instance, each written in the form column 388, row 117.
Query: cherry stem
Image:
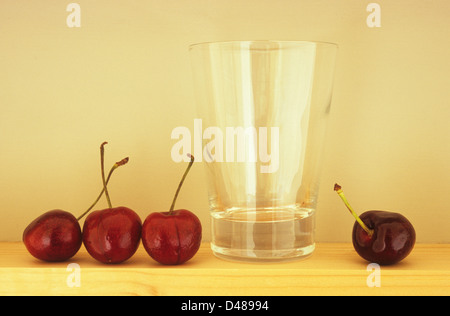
column 116, row 165
column 181, row 183
column 339, row 191
column 102, row 163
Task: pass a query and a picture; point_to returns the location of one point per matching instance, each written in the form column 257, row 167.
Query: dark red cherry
column 53, row 236
column 112, row 235
column 172, row 238
column 392, row 240
column 380, row 236
column 175, row 236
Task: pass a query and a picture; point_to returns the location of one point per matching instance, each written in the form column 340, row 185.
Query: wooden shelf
column 334, row 269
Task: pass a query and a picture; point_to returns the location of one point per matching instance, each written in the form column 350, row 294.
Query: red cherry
column 172, row 237
column 379, row 236
column 112, row 235
column 53, row 236
column 392, row 240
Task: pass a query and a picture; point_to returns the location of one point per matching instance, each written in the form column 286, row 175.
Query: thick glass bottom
column 263, row 235
column 243, row 255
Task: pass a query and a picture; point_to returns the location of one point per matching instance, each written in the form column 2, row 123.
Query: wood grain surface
column 333, row 269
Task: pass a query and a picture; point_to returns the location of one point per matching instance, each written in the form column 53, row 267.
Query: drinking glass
column 263, row 108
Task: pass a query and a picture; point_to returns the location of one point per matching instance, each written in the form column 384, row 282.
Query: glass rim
column 284, row 42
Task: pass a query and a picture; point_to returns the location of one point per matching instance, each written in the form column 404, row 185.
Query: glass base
column 262, row 256
column 263, row 235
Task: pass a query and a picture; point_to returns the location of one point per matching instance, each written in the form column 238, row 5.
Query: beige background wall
column 124, row 77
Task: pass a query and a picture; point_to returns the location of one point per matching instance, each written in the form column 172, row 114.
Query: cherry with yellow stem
column 381, row 237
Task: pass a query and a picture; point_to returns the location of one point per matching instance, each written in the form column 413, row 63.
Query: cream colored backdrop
column 124, row 77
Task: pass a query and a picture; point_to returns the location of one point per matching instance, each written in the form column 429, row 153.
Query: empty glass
column 263, row 108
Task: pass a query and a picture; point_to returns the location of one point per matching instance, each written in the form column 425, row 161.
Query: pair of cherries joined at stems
column 113, row 235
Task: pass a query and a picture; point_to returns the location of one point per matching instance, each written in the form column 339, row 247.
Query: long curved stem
column 181, row 183
column 116, row 165
column 102, row 162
